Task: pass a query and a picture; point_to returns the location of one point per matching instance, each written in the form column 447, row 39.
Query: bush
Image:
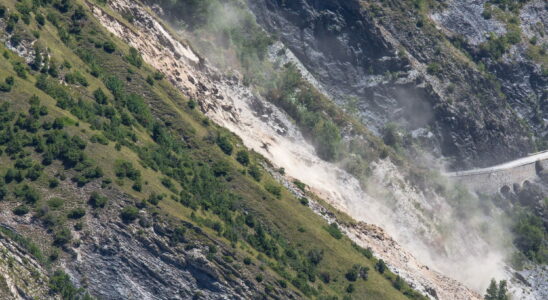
column 21, row 210
column 350, row 288
column 61, row 284
column 391, row 136
column 55, row 202
column 3, row 192
column 351, row 275
column 96, row 200
column 150, row 80
column 221, row 168
column 529, row 237
column 129, row 214
column 399, row 284
column 53, row 183
column 334, row 231
column 76, row 213
column 224, row 143
column 109, row 47
column 134, row 57
column 433, row 68
column 242, row 157
column 62, row 236
column 274, row 189
column 125, row 169
column 299, row 185
column 315, row 256
column 255, row 172
column 380, row 266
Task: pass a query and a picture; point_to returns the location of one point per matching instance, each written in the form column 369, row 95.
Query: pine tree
column 492, row 291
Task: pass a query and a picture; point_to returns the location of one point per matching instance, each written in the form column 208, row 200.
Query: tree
column 495, row 292
column 492, row 291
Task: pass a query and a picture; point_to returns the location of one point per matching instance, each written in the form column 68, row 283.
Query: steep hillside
column 115, row 186
column 178, row 149
column 430, row 67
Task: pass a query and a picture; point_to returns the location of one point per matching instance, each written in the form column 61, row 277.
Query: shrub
column 357, row 271
column 224, row 143
column 192, row 104
column 351, row 275
column 125, row 169
column 274, row 189
column 334, row 231
column 53, row 183
column 55, row 202
column 40, row 19
column 399, row 284
column 391, row 136
column 61, row 284
column 109, row 47
column 76, row 213
column 150, row 80
column 315, row 256
column 21, row 210
column 134, row 57
column 433, row 68
column 303, row 201
column 299, row 184
column 100, row 96
column 221, row 168
column 255, row 172
column 96, row 200
column 129, row 214
column 242, row 157
column 350, row 288
column 380, row 266
column 3, row 192
column 62, row 236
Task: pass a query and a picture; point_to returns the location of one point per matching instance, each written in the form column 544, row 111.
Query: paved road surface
column 505, row 166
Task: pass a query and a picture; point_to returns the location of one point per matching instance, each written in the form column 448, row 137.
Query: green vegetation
column 530, row 237
column 497, row 292
column 334, row 231
column 60, row 284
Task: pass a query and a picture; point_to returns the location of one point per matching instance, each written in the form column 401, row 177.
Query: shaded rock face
column 382, row 59
column 465, row 17
column 521, row 79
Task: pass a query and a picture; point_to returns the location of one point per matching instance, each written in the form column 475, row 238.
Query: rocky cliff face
column 403, row 69
column 115, row 260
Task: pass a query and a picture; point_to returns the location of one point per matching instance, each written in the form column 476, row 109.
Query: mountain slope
column 115, row 178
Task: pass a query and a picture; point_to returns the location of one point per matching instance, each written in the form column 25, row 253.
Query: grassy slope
column 284, row 215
